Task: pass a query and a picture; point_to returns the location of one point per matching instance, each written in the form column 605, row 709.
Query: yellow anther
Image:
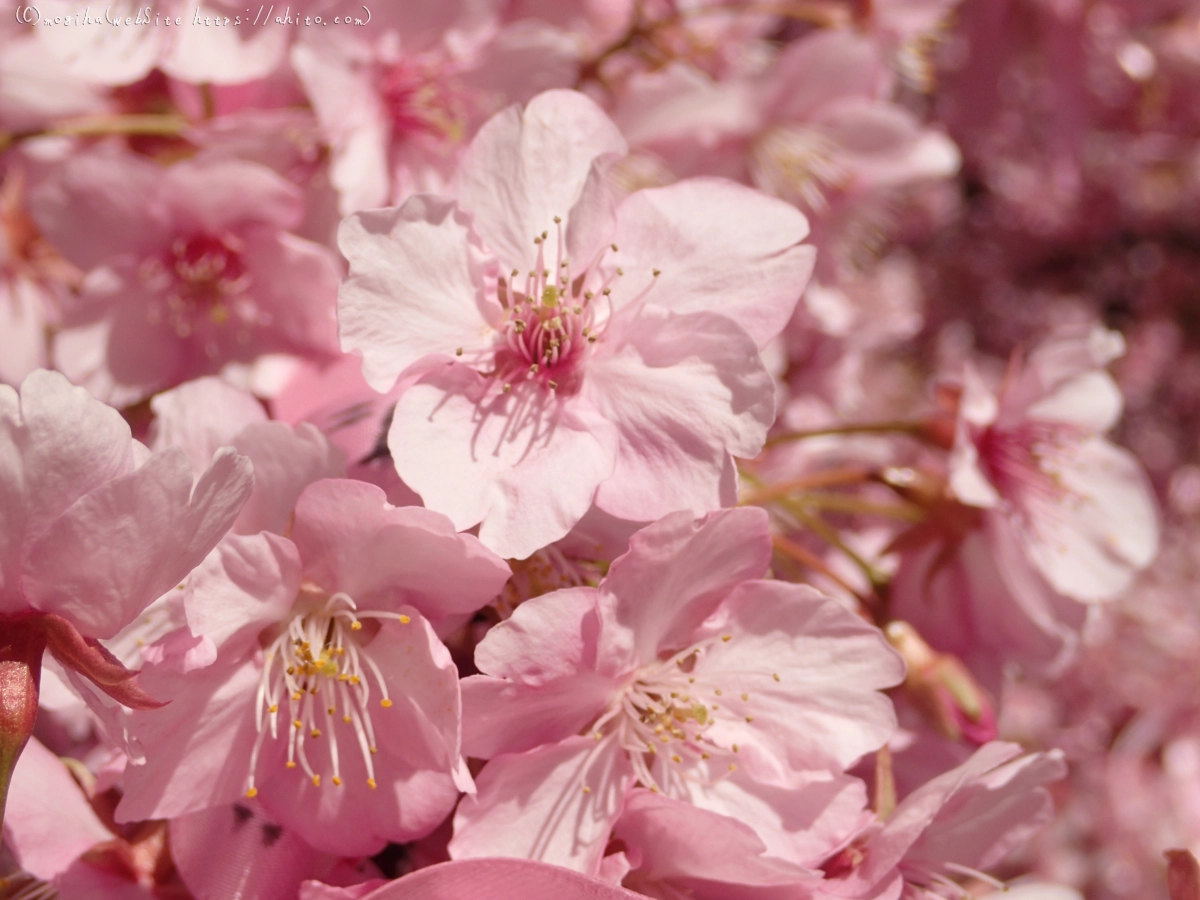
column 298, row 695
column 706, row 755
column 316, row 781
column 657, row 272
column 356, row 625
column 404, row 620
column 676, row 758
column 337, row 782
column 371, row 783
column 458, row 352
column 274, row 708
column 775, row 675
column 733, row 767
column 316, row 732
column 252, row 793
column 354, row 679
column 727, row 638
column 373, row 749
column 749, row 718
column 717, row 691
column 347, row 719
column 297, row 723
column 331, row 710
column 745, row 697
column 734, row 748
column 385, row 703
column 586, row 789
column 290, row 764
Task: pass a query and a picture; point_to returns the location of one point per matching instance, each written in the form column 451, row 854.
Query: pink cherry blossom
column 189, row 269
column 399, row 103
column 681, row 673
column 1082, row 507
column 348, row 603
column 615, row 356
column 1051, row 512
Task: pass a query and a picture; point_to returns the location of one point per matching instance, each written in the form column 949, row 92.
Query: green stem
column 913, row 429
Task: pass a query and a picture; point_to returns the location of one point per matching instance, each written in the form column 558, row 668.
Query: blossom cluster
column 601, row 449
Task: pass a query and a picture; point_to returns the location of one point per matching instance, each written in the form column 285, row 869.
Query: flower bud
column 942, row 688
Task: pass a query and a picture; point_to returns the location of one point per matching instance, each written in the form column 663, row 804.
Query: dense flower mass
column 600, row 449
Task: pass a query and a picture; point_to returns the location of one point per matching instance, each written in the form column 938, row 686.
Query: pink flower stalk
column 329, row 696
column 682, row 673
column 960, row 823
column 545, row 337
column 1049, row 513
column 189, row 268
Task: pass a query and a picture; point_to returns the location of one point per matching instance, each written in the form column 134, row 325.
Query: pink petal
column 1103, row 531
column 499, row 879
column 239, row 851
column 202, row 416
column 678, row 571
column 351, row 539
column 684, row 392
column 286, row 461
column 132, row 539
column 525, row 167
column 721, row 247
column 534, row 805
column 703, row 852
column 416, row 287
column 489, row 458
column 48, row 821
column 247, row 583
column 198, row 746
column 824, row 711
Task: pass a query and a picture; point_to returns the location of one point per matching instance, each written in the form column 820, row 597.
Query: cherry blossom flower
column 189, row 268
column 545, row 337
column 681, row 673
column 330, row 697
column 1049, row 512
column 399, row 101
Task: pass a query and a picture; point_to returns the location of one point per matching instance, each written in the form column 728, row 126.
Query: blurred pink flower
column 189, row 268
column 573, row 359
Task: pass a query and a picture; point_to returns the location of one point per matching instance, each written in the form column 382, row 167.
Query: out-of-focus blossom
column 1048, row 512
column 189, row 268
column 681, row 673
column 398, row 101
column 617, row 359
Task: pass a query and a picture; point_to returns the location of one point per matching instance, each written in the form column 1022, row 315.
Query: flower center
column 799, row 162
column 201, row 282
column 420, row 100
column 1025, row 463
column 318, row 666
column 664, row 717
